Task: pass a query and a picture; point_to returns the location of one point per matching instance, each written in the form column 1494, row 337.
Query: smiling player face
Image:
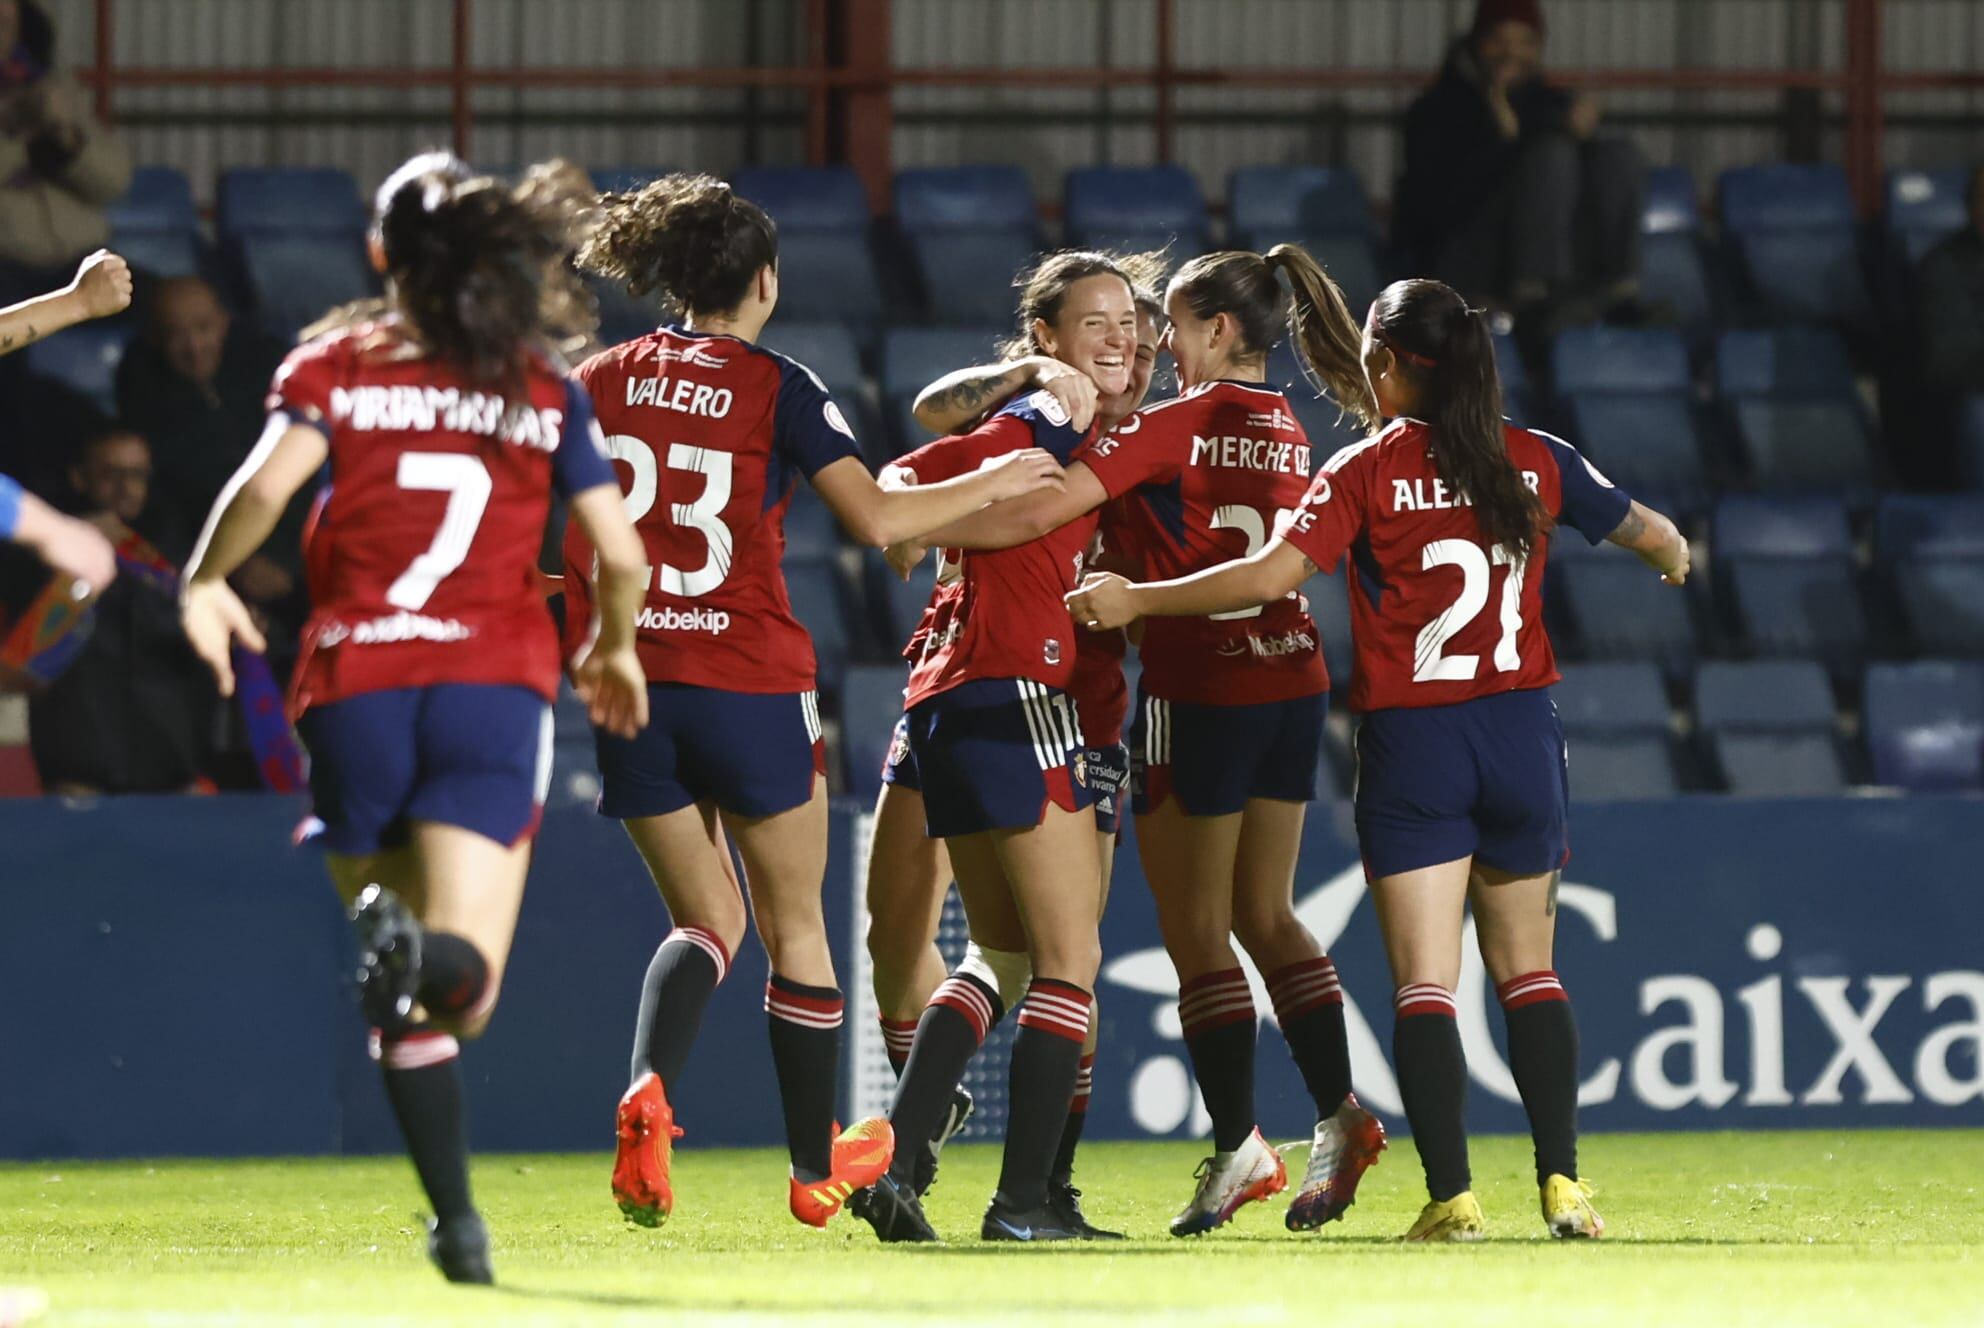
column 1096, row 331
column 1115, row 405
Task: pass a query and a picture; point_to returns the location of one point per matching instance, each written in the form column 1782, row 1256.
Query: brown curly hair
column 688, row 238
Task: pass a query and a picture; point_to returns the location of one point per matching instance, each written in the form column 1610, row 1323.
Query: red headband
column 1378, row 335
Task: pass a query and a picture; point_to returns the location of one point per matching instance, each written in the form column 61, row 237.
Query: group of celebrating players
column 1070, row 522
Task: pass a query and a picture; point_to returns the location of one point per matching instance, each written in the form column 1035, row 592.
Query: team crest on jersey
column 1050, row 651
column 695, row 355
column 1079, row 767
column 1272, row 419
column 899, row 747
column 837, row 421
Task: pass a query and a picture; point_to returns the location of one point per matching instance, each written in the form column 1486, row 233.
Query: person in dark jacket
column 1509, row 194
column 1950, row 305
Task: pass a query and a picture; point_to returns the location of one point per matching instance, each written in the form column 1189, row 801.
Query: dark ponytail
column 468, row 263
column 1243, row 286
column 1443, row 348
column 1326, row 333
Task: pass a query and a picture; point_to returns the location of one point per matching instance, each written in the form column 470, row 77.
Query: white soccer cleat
column 1230, row 1181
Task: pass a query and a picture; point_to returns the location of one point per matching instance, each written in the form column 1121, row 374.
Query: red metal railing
column 847, row 120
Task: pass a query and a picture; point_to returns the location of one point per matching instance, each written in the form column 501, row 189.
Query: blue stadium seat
column 624, row 317
column 574, row 758
column 970, row 230
column 288, row 199
column 1970, row 442
column 1754, row 527
column 825, row 348
column 295, row 278
column 1924, row 208
column 826, row 265
column 914, row 357
column 1620, row 359
column 812, row 531
column 1910, row 526
column 1782, row 362
column 1620, row 768
column 1672, row 205
column 1925, row 724
column 1321, row 208
column 1769, row 727
column 159, row 199
column 901, row 602
column 1518, row 403
column 871, row 702
column 84, row 359
column 1622, row 612
column 161, row 253
column 1649, row 445
column 820, row 602
column 1618, row 697
column 1329, row 429
column 1943, row 600
column 807, row 198
column 1794, row 228
column 1136, row 207
column 1329, row 605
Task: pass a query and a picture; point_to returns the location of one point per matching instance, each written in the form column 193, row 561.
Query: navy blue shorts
column 1214, row 758
column 992, row 754
column 1484, row 779
column 750, row 753
column 466, row 754
column 1108, row 771
column 899, row 766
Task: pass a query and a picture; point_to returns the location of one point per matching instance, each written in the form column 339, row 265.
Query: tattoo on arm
column 1309, row 567
column 1550, row 901
column 1630, row 530
column 27, row 337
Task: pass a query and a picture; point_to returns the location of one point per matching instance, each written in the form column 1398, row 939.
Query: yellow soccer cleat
column 1567, row 1209
column 861, row 1154
column 1455, row 1219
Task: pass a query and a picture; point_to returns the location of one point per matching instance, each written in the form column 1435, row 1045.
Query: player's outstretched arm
column 1018, row 520
column 1656, row 540
column 1107, row 601
column 609, row 677
column 958, row 400
column 101, row 287
column 75, row 549
column 243, row 517
column 879, row 516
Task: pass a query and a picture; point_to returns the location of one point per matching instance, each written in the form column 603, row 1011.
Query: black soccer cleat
column 923, row 1167
column 388, row 957
column 892, row 1208
column 1003, row 1221
column 1066, row 1202
column 460, row 1249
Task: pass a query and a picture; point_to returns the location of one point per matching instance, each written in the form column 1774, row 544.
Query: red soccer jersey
column 999, row 613
column 1203, row 479
column 422, row 564
column 711, row 433
column 1436, row 615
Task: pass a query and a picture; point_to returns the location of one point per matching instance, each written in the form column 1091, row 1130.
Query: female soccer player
column 998, row 752
column 1462, row 781
column 1230, row 713
column 715, row 430
column 428, row 663
column 908, row 872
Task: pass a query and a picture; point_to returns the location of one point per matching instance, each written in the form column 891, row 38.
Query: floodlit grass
column 1788, row 1228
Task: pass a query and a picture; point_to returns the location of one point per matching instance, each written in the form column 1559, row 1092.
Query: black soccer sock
column 805, row 1025
column 1308, row 1004
column 961, row 1012
column 453, row 974
column 1217, row 1011
column 1071, row 1133
column 1432, row 1078
column 422, row 1069
column 1543, row 1057
column 1047, row 1054
column 686, row 968
column 898, row 1035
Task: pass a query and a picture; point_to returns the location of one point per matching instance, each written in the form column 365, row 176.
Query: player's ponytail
column 686, row 238
column 467, row 263
column 1327, row 335
column 1444, row 349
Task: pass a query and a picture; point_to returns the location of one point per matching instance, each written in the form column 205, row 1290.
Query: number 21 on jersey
column 1430, row 663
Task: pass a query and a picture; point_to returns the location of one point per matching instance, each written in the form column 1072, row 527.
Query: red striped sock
column 1084, row 1083
column 805, row 1029
column 1217, row 1010
column 1301, row 987
column 897, row 1037
column 1416, row 998
column 1214, row 1000
column 1056, row 1007
column 1047, row 1054
column 1530, row 988
column 1308, row 1005
column 977, row 1002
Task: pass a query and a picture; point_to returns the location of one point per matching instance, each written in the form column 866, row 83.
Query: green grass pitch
column 1792, row 1228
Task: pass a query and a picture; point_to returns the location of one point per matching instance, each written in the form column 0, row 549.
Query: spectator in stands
column 1950, row 304
column 137, row 711
column 1509, row 193
column 58, row 167
column 195, row 385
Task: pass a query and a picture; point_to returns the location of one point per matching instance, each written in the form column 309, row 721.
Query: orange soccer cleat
column 647, row 1133
column 861, row 1154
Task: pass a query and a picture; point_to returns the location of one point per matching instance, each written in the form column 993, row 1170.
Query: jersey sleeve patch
column 303, row 383
column 1043, row 415
column 580, row 462
column 808, row 429
column 1331, row 514
column 1590, row 504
